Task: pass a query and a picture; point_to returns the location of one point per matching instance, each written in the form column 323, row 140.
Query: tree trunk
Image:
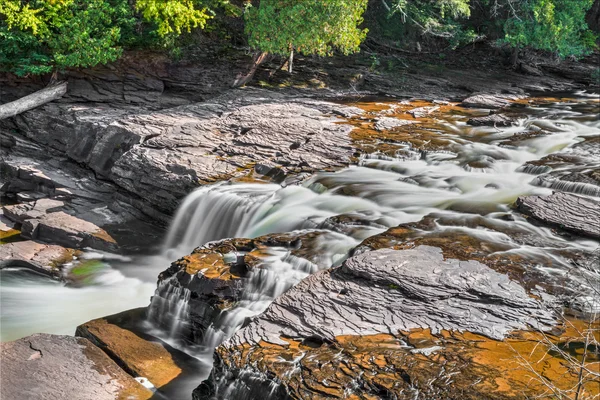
column 515, row 57
column 593, row 17
column 258, row 59
column 41, row 97
column 291, row 60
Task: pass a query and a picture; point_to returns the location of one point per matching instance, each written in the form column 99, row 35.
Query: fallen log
column 41, row 97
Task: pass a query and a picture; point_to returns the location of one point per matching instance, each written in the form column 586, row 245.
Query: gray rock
column 490, row 101
column 387, row 123
column 492, row 120
column 160, row 156
column 52, row 367
column 389, row 291
column 67, row 230
column 567, row 211
column 21, row 212
column 421, row 112
column 39, row 257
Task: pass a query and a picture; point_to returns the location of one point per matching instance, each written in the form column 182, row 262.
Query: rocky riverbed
column 320, row 245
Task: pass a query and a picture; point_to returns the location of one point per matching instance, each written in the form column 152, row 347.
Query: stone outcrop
column 66, row 230
column 52, row 367
column 39, row 257
column 214, row 276
column 161, row 156
column 567, row 211
column 358, row 312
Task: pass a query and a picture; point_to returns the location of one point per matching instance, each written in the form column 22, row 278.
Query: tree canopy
column 309, row 26
column 42, row 36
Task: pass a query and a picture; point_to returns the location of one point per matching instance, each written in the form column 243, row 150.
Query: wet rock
column 42, row 258
column 573, row 213
column 421, row 112
column 21, row 212
column 355, row 311
column 490, row 101
column 55, row 367
column 492, row 120
column 213, row 277
column 407, row 289
column 64, row 229
column 387, row 123
column 137, row 353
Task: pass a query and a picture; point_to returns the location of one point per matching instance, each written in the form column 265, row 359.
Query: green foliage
column 553, row 25
column 40, row 36
column 173, row 16
column 308, row 26
column 438, row 18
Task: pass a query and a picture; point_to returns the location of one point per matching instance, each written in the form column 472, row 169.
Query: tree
column 309, row 27
column 440, row 18
column 43, row 36
column 558, row 26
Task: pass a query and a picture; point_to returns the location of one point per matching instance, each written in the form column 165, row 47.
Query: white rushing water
column 384, row 190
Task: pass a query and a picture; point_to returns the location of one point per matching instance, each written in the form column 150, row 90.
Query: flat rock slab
column 67, row 230
column 388, row 123
column 490, row 101
column 43, row 258
column 577, row 214
column 35, row 209
column 492, row 120
column 51, row 367
column 389, row 291
column 137, row 355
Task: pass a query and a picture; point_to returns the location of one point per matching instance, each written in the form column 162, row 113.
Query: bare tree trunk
column 258, row 59
column 515, row 57
column 41, row 97
column 291, row 60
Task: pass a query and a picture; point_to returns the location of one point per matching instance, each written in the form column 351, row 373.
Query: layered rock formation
column 358, row 311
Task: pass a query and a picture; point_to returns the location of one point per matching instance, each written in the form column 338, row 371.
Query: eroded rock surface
column 389, row 290
column 161, row 156
column 577, row 214
column 43, row 258
column 357, row 311
column 64, row 229
column 491, row 101
column 55, row 367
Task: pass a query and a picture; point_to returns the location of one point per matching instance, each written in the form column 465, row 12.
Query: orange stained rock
column 209, row 264
column 140, row 357
column 470, row 364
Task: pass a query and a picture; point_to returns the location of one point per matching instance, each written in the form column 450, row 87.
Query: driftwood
column 41, row 97
column 258, row 59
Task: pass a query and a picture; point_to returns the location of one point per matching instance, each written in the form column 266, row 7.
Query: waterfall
column 567, row 186
column 170, row 307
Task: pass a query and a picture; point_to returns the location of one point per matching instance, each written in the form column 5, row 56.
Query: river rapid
column 449, row 170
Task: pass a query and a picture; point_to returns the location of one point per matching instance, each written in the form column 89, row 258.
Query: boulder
column 42, row 258
column 573, row 213
column 52, row 367
column 67, row 230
